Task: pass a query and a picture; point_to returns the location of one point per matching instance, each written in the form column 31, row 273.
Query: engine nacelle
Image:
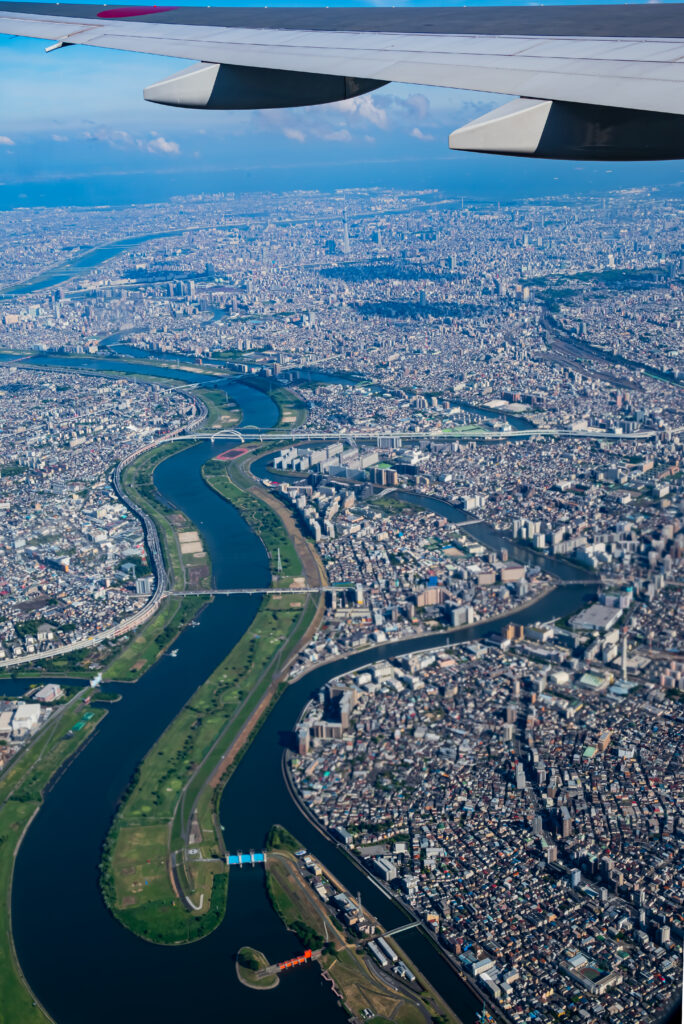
column 573, row 131
column 229, row 87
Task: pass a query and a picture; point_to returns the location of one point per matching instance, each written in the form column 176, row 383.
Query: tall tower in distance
column 345, row 233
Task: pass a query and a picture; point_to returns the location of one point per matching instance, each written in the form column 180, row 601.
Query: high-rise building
column 566, row 822
column 384, row 477
column 303, row 740
column 520, row 780
column 346, row 247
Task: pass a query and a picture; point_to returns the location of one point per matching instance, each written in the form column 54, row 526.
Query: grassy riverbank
column 151, row 882
column 222, row 411
column 296, row 912
column 152, row 639
column 163, row 872
column 153, row 908
column 187, row 567
column 241, row 684
column 224, row 477
column 270, row 518
column 293, row 410
column 172, row 803
column 344, row 959
column 21, row 791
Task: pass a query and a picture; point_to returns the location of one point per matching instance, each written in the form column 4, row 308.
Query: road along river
column 82, row 965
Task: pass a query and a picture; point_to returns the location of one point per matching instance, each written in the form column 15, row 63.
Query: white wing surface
column 567, row 58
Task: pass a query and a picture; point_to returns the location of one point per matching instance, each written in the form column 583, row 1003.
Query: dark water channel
column 83, row 261
column 82, row 965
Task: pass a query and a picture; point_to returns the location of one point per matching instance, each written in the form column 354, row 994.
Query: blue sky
column 78, row 114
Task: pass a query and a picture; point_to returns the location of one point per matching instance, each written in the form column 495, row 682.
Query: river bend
column 80, row 962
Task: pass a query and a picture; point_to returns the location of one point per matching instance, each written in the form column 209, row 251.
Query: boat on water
column 174, row 653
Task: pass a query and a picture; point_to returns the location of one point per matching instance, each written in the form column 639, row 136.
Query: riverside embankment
column 79, row 961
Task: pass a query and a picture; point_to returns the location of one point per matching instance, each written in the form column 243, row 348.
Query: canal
column 81, row 964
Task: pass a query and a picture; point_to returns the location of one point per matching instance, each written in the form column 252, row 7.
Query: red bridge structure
column 303, row 959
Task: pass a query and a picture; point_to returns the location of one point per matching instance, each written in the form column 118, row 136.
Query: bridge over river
column 258, row 590
column 242, row 860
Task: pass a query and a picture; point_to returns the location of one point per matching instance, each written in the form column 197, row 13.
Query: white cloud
column 295, row 134
column 60, row 138
column 114, row 137
column 423, row 136
column 341, row 135
column 161, row 145
column 360, row 119
column 417, row 104
column 117, row 138
column 6, row 141
column 368, row 109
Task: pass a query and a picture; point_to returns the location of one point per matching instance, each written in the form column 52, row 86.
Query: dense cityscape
column 493, row 415
column 72, row 557
column 530, row 821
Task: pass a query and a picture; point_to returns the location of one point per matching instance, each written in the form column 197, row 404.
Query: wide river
column 84, row 260
column 81, row 964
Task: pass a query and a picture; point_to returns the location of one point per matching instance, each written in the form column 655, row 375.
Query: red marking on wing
column 132, row 12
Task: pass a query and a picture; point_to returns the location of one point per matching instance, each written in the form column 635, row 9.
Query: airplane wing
column 595, row 82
